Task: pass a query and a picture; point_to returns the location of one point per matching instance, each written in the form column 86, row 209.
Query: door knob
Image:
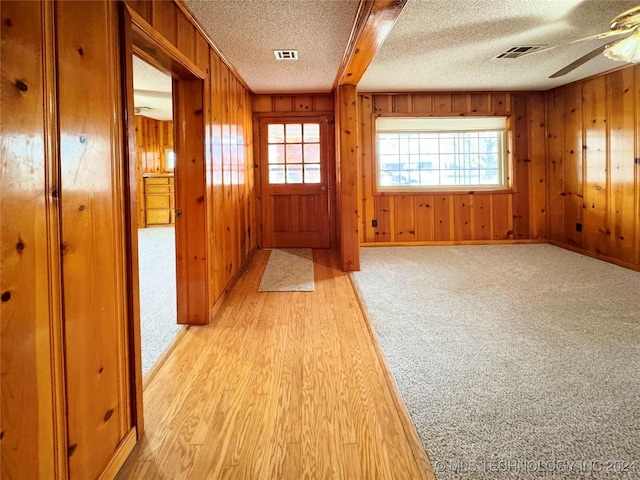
column 323, row 188
column 178, row 213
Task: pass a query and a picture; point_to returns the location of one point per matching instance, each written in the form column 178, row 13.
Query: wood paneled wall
column 229, row 145
column 31, row 415
column 152, row 137
column 409, row 218
column 594, row 172
column 66, row 410
column 65, row 376
column 265, row 106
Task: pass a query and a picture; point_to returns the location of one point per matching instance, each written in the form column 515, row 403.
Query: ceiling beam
column 374, row 21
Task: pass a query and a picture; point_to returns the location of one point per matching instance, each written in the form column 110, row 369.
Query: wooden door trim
column 139, row 37
column 152, row 47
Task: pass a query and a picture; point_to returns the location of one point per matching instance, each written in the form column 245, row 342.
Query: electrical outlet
column 374, row 223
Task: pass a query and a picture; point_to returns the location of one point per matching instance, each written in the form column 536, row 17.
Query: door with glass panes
column 295, row 198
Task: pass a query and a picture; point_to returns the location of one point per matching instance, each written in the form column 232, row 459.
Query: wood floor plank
column 280, row 385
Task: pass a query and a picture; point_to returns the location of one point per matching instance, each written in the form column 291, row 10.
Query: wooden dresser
column 159, row 199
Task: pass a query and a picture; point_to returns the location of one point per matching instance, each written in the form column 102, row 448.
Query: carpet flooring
column 288, row 270
column 157, row 266
column 514, row 361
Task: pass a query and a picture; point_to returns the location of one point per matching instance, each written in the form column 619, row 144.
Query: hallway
column 280, row 386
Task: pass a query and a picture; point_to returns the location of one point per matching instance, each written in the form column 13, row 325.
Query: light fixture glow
column 627, row 50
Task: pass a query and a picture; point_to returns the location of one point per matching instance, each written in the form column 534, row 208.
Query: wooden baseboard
column 120, row 455
column 453, row 242
column 599, row 256
column 213, row 311
column 163, row 358
column 417, row 448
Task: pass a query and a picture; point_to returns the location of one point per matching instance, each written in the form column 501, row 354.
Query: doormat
column 288, row 270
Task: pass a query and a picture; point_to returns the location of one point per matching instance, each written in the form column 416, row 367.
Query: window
column 441, row 153
column 294, row 153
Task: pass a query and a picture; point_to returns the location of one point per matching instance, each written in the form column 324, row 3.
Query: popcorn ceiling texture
column 450, row 44
column 434, row 45
column 247, row 32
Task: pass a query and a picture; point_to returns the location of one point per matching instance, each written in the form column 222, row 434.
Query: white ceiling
column 434, row 45
column 151, row 91
column 248, row 31
column 450, row 44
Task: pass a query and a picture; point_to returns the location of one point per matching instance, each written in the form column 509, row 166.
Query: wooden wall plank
column 383, row 217
column 186, row 34
column 463, row 229
column 422, row 103
column 164, row 18
column 29, row 281
column 481, row 214
column 622, row 220
column 367, row 230
column 502, row 217
column 572, row 164
column 424, row 218
column 405, row 218
column 538, row 166
column 595, row 192
column 521, row 166
column 555, row 164
column 92, row 216
column 444, row 219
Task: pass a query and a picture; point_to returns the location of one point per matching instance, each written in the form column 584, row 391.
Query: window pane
column 276, row 133
column 312, row 173
column 388, row 144
column 294, row 153
column 294, row 133
column 441, row 158
column 294, row 173
column 276, row 154
column 311, row 132
column 276, row 174
column 312, row 153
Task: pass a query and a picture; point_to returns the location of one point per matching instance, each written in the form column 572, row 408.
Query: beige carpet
column 515, row 361
column 288, row 270
column 157, row 267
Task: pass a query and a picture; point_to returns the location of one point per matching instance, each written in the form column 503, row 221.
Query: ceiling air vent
column 286, row 54
column 515, row 52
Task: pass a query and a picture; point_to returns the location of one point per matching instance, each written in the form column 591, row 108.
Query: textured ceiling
column 434, row 45
column 247, row 32
column 151, row 91
column 450, row 44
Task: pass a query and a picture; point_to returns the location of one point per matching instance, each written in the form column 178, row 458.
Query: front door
column 294, row 175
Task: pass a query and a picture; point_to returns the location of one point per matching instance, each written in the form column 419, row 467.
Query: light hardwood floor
column 278, row 386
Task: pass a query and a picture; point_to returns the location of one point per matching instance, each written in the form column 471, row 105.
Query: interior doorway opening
column 155, row 167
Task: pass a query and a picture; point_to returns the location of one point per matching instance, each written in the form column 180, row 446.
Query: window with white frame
column 441, row 153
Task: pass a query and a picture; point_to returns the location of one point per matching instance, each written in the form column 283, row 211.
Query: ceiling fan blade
column 582, row 60
column 611, row 33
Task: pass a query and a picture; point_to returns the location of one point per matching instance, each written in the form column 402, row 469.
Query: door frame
column 328, row 143
column 140, row 38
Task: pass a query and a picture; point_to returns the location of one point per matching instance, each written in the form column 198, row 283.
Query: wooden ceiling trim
column 374, row 21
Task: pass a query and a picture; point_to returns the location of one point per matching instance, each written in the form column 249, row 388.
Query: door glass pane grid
column 293, row 153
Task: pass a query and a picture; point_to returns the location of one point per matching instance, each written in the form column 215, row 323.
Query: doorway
column 189, row 210
column 155, row 165
column 295, row 182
